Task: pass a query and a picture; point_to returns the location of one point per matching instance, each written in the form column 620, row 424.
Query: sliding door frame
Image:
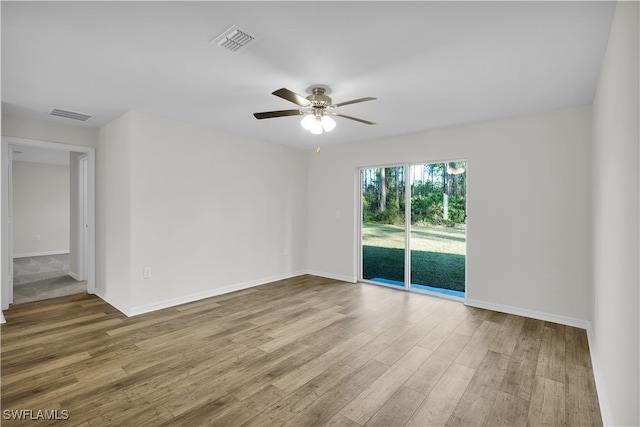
column 407, row 227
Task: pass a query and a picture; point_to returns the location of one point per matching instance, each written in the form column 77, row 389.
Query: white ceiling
column 430, row 64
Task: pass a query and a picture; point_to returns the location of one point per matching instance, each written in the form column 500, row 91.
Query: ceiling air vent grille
column 69, row 114
column 235, row 39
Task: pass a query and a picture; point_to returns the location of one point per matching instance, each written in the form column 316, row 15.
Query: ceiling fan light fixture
column 313, row 124
column 307, row 121
column 327, row 123
column 316, row 127
column 317, row 124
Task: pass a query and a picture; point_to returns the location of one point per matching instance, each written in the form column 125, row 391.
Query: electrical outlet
column 146, row 273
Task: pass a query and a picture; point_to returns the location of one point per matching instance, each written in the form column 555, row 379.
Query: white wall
column 528, row 205
column 40, row 207
column 113, row 212
column 208, row 211
column 39, row 130
column 616, row 216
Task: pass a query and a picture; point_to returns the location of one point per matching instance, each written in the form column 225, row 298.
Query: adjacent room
column 44, row 260
column 323, row 213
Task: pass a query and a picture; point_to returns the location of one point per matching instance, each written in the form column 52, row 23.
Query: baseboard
column 540, row 315
column 41, row 254
column 598, row 376
column 122, row 308
column 147, row 308
column 74, row 275
column 349, row 279
column 2, row 319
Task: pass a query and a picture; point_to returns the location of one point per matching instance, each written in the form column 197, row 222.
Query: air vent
column 235, row 39
column 69, row 114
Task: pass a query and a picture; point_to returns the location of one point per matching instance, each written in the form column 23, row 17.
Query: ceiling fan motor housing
column 318, row 99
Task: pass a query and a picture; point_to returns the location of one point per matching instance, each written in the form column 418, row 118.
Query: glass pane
column 438, row 227
column 383, row 225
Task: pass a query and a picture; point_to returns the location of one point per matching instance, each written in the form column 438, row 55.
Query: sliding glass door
column 438, row 227
column 383, row 225
column 413, row 226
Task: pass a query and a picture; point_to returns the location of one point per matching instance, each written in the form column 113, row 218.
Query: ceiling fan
column 317, row 108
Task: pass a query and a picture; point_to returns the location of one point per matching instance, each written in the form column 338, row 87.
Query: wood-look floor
column 305, row 351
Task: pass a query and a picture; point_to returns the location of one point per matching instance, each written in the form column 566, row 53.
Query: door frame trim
column 7, row 252
column 83, row 211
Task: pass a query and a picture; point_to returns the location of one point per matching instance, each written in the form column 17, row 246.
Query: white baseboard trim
column 40, row 254
column 598, row 376
column 2, row 319
column 74, row 275
column 349, row 279
column 540, row 315
column 147, row 308
column 112, row 302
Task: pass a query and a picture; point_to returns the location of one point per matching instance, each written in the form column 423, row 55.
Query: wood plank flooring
column 306, row 351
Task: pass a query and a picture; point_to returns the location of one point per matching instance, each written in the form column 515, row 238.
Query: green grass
column 437, row 255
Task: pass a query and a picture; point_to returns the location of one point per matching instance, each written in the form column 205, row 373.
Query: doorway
column 81, row 237
column 413, row 227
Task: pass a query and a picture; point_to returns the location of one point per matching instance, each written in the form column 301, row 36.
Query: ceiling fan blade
column 292, row 96
column 354, row 101
column 281, row 113
column 366, row 122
